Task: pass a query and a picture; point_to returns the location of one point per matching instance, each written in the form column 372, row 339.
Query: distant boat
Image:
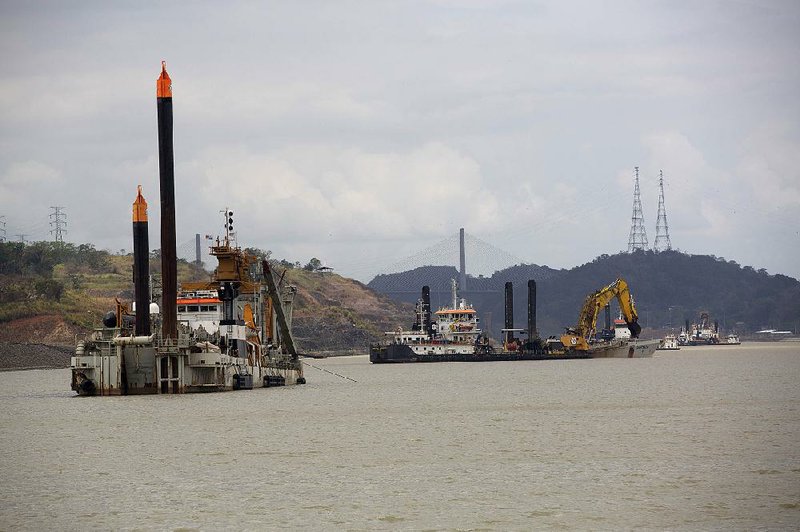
column 669, row 343
column 732, row 339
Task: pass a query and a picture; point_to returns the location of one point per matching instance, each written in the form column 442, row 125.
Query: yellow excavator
column 577, row 338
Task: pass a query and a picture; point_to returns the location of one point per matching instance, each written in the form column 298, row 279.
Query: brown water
column 702, row 438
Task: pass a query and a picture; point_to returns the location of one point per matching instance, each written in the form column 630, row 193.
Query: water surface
column 700, row 438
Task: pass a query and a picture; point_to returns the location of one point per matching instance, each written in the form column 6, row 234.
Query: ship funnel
column 532, row 332
column 141, row 265
column 426, row 310
column 509, row 311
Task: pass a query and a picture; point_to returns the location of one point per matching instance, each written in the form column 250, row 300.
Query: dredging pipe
column 133, row 340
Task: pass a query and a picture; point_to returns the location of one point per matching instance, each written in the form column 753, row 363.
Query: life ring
column 573, row 341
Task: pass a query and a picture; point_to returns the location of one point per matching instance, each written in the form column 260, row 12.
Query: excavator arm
column 577, row 338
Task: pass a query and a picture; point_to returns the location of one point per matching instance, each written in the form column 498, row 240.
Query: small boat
column 669, row 343
column 732, row 339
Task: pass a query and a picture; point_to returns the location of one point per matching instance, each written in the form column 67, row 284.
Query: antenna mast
column 662, row 242
column 229, row 233
column 638, row 236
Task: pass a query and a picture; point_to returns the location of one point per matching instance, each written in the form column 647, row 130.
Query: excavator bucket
column 635, row 329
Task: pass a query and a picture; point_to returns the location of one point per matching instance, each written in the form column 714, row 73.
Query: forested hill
column 438, row 278
column 668, row 287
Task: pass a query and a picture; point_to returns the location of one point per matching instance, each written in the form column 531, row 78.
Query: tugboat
column 669, row 343
column 456, row 337
column 732, row 339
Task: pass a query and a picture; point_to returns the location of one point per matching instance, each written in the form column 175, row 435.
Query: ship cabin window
column 192, row 308
column 181, row 308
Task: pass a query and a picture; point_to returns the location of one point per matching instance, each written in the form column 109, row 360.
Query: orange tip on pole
column 164, row 84
column 140, row 207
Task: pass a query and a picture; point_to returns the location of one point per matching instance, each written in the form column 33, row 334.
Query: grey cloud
column 551, row 101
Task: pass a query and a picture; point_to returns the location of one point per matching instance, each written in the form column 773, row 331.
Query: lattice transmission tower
column 638, row 235
column 58, row 219
column 662, row 242
column 2, row 228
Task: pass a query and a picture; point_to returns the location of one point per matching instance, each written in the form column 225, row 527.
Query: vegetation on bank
column 75, row 281
column 80, row 283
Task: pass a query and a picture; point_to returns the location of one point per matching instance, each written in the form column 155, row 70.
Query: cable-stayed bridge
column 187, row 250
column 470, row 260
column 456, row 257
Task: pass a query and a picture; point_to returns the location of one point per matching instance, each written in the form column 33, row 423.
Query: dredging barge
column 455, row 336
column 247, row 342
column 151, row 351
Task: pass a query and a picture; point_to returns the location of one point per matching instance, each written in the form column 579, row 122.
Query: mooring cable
column 327, row 371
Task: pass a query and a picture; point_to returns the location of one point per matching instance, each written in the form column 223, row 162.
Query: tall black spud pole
column 166, row 165
column 141, row 265
column 509, row 307
column 532, row 332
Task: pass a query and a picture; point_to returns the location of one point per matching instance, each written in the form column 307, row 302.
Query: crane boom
column 577, row 338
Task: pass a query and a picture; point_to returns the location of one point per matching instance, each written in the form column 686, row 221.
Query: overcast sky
column 363, row 132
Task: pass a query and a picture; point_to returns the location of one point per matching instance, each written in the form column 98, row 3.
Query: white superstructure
column 455, row 330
